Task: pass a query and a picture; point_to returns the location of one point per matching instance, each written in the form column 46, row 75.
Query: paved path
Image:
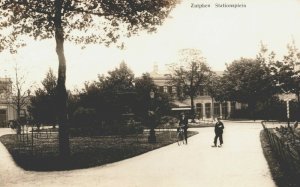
column 239, row 163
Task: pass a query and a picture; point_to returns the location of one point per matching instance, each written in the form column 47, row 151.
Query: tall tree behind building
column 190, row 76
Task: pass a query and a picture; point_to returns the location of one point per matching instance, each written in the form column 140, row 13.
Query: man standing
column 183, row 123
column 219, row 126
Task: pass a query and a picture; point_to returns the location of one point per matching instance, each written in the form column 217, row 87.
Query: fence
column 287, row 156
column 30, row 138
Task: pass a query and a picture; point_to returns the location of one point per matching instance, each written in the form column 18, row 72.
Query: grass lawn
column 85, row 151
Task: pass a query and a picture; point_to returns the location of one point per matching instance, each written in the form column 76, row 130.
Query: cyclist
column 183, row 123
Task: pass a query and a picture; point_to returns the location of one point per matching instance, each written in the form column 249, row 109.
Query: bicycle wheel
column 182, row 138
column 179, row 138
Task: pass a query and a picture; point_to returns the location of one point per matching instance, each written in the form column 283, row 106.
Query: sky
column 222, row 34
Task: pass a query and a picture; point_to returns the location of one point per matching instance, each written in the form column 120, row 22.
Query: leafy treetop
column 82, row 21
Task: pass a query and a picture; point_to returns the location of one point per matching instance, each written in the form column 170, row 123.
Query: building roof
column 158, row 75
column 5, row 80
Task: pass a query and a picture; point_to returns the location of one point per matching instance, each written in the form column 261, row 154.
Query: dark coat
column 219, row 126
column 183, row 122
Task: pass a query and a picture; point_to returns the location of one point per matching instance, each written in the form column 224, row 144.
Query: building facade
column 7, row 112
column 205, row 106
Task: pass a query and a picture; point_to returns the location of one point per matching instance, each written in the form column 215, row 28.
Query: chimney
column 155, row 68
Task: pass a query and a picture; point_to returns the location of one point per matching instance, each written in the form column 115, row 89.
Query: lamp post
column 151, row 118
column 286, row 97
column 288, row 111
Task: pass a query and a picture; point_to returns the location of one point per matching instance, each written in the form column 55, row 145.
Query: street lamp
column 151, row 118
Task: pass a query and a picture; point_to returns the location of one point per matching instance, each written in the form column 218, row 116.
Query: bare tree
column 16, row 94
column 190, row 75
column 20, row 95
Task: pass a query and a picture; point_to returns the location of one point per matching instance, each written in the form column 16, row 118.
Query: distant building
column 7, row 112
column 8, row 109
column 205, row 106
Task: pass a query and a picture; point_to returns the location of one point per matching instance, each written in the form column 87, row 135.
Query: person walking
column 219, row 126
column 183, row 123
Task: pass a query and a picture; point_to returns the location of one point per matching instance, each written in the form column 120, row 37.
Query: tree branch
column 81, row 10
column 26, row 5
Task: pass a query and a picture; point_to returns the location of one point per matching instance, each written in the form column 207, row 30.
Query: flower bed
column 285, row 144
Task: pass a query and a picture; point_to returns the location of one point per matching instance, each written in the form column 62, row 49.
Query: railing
column 286, row 153
column 29, row 137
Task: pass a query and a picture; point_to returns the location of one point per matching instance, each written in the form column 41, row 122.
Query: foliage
column 114, row 96
column 112, row 20
column 215, row 87
column 160, row 104
column 271, row 109
column 73, row 103
column 247, row 81
column 84, row 117
column 43, row 107
column 285, row 73
column 169, row 122
column 71, row 20
column 285, row 144
column 118, row 80
column 280, row 175
column 190, row 75
column 110, row 96
column 143, row 87
column 258, row 82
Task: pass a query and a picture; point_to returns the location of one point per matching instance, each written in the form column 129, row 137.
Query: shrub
column 84, row 117
column 169, row 121
column 112, row 128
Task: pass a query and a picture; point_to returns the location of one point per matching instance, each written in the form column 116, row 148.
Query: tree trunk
column 192, row 109
column 18, row 112
column 18, row 105
column 64, row 145
column 212, row 108
column 298, row 111
column 252, row 106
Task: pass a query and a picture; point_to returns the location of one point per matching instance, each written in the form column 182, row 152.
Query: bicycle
column 180, row 136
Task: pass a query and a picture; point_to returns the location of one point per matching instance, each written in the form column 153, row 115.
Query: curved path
column 240, row 162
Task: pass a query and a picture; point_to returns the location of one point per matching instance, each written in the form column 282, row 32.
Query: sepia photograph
column 149, row 93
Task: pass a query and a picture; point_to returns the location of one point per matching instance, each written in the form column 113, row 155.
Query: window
column 165, row 89
column 2, row 111
column 217, row 109
column 199, row 111
column 224, row 110
column 161, row 88
column 173, row 89
column 207, row 110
